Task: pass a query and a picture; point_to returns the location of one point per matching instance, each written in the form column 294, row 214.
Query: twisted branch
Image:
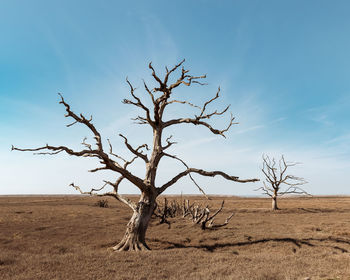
column 93, row 192
column 138, row 103
column 136, row 151
column 89, row 152
column 203, row 173
column 192, row 179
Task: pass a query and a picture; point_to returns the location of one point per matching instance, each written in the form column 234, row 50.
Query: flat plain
column 68, row 237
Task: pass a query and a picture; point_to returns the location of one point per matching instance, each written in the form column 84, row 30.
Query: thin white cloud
column 250, row 129
column 345, row 138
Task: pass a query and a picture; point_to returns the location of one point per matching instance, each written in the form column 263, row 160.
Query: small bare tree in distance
column 276, row 177
column 161, row 96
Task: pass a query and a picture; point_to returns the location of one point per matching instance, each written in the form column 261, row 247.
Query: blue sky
column 282, row 65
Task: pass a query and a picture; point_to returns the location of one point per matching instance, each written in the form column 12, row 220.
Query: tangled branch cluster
column 196, row 213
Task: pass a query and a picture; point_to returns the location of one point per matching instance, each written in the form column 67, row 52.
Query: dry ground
column 67, row 237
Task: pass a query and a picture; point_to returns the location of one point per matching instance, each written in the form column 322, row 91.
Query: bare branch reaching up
column 83, row 120
column 111, row 151
column 187, row 80
column 199, row 120
column 138, row 150
column 149, row 91
column 209, row 101
column 155, row 75
column 169, row 143
column 86, row 144
column 138, row 103
column 172, row 70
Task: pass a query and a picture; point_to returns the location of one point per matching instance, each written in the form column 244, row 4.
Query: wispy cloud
column 332, row 113
column 250, row 129
column 321, row 117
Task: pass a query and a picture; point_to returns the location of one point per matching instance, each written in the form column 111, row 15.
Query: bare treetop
column 164, row 90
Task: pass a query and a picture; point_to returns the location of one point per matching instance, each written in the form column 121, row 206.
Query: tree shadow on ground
column 310, row 242
column 323, row 210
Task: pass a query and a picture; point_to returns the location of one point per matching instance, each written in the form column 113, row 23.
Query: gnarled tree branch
column 199, row 120
column 203, row 173
column 93, row 192
column 192, row 179
column 139, row 104
column 138, row 151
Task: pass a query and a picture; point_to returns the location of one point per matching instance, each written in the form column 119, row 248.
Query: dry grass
column 67, row 237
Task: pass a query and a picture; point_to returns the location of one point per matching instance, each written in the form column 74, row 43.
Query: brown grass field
column 67, row 237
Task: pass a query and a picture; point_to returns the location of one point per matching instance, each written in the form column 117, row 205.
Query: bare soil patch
column 68, row 237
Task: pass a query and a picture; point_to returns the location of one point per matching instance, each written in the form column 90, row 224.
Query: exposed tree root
column 131, row 244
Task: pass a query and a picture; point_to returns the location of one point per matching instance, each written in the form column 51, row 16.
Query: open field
column 67, row 237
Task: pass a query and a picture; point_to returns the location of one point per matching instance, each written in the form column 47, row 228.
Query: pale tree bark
column 135, row 235
column 275, row 177
column 274, row 202
column 161, row 96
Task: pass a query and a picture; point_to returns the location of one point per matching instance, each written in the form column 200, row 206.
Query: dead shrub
column 196, row 213
column 103, row 203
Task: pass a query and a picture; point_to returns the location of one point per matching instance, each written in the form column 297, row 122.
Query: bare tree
column 276, row 177
column 161, row 96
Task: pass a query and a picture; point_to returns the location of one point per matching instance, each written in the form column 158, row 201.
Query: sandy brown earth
column 67, row 237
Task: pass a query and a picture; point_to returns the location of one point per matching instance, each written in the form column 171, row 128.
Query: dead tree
column 197, row 214
column 276, row 177
column 163, row 212
column 202, row 216
column 161, row 97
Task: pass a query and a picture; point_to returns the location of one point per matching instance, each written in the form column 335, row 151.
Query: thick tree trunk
column 274, row 203
column 134, row 238
column 135, row 235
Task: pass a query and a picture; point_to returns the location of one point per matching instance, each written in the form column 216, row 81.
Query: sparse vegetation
column 66, row 238
column 103, row 203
